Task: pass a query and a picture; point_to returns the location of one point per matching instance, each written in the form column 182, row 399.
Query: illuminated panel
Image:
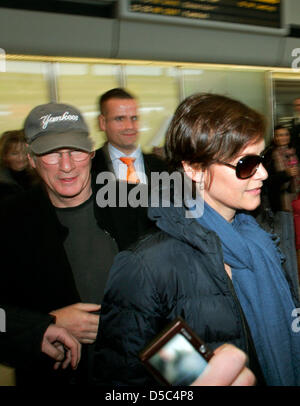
column 246, row 15
column 255, row 12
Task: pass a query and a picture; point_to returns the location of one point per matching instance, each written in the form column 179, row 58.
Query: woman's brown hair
column 209, row 127
column 9, row 138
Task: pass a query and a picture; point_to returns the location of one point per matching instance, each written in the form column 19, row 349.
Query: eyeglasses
column 246, row 166
column 54, row 157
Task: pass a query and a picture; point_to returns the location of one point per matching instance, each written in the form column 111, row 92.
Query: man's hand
column 226, row 368
column 79, row 320
column 61, row 346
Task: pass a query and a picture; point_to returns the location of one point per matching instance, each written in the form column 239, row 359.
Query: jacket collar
column 173, row 221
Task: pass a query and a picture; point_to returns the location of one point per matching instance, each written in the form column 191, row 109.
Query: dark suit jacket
column 128, row 223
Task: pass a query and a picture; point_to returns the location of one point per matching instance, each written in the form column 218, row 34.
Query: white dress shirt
column 120, row 168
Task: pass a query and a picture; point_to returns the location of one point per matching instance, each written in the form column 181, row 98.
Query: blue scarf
column 263, row 292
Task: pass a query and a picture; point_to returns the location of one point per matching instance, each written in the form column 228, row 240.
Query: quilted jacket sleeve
column 131, row 315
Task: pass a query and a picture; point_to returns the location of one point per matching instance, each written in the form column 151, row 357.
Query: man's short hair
column 116, row 93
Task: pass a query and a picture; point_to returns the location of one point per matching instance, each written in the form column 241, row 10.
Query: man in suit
column 119, row 120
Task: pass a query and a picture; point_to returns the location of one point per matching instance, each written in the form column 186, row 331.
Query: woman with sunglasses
column 219, row 270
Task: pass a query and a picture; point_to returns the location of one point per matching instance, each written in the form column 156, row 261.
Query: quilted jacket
column 176, row 271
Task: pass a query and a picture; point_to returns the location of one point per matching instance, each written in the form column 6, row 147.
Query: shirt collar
column 116, row 153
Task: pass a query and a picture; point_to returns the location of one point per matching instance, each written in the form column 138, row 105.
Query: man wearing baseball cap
column 58, row 243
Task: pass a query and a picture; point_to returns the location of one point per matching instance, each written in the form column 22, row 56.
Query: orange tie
column 131, row 173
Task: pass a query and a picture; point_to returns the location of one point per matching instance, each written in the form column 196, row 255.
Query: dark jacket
column 20, row 342
column 294, row 128
column 177, row 271
column 37, row 275
column 129, row 223
column 13, row 182
column 278, row 184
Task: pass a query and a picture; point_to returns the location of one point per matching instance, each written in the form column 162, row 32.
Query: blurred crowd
column 282, row 159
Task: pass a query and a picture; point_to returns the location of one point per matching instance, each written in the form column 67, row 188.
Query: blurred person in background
column 122, row 156
column 294, row 127
column 283, row 184
column 15, row 172
column 119, row 119
column 283, row 169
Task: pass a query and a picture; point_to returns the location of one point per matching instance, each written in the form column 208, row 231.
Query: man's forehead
column 121, row 107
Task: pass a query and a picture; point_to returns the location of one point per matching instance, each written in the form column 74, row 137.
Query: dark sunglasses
column 246, row 166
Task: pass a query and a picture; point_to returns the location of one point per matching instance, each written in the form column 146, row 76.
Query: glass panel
column 250, row 87
column 81, row 84
column 23, row 86
column 247, row 86
column 286, row 90
column 156, row 89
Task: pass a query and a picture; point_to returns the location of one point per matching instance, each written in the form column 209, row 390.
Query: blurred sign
column 263, row 13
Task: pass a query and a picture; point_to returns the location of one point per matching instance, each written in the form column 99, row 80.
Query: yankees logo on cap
column 55, row 125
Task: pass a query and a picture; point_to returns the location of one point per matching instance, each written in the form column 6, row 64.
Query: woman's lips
column 255, row 191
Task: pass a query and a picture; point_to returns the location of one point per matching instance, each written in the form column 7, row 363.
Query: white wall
column 30, row 32
column 192, row 44
column 293, row 12
column 41, row 33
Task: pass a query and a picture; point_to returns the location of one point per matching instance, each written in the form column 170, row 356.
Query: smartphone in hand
column 176, row 356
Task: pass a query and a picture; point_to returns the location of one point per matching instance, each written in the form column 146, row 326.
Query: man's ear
column 101, row 121
column 194, row 172
column 30, row 158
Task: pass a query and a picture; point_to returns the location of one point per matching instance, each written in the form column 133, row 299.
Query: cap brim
column 51, row 142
